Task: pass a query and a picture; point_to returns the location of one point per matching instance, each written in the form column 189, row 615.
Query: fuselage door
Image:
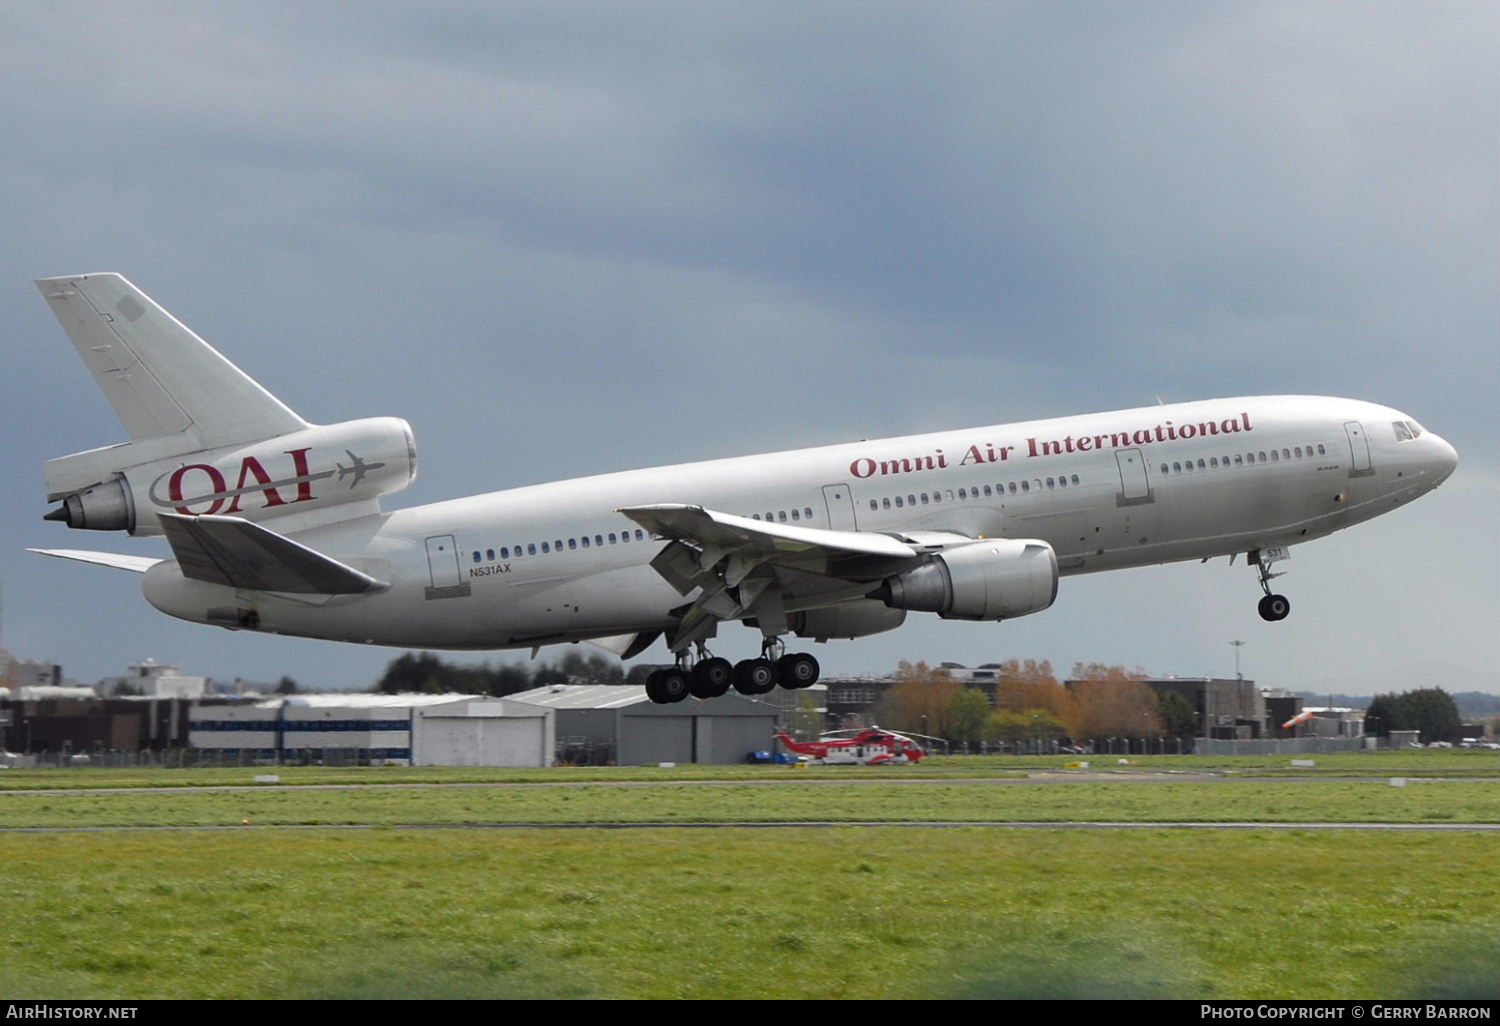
column 442, row 563
column 1134, row 486
column 840, row 502
column 1359, row 449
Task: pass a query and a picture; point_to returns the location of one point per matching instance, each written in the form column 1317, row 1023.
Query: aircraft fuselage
column 556, row 562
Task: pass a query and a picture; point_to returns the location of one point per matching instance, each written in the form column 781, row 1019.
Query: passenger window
column 796, row 514
column 476, row 555
column 899, row 503
column 531, row 548
column 1275, row 456
column 987, row 491
column 490, row 553
column 1025, row 487
column 505, row 552
column 886, row 502
column 807, row 512
column 640, row 535
column 585, row 540
column 546, row 547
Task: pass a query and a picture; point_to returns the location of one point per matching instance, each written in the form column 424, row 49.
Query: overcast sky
column 567, row 238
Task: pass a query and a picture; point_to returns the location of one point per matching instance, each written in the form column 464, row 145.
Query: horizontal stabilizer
column 232, row 551
column 135, row 564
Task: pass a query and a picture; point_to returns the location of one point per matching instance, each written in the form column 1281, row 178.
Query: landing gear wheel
column 711, row 678
column 667, row 686
column 797, row 670
column 1274, row 607
column 653, row 687
column 754, row 676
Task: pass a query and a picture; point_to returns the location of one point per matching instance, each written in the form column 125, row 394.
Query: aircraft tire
column 754, row 676
column 653, row 687
column 1274, row 607
column 797, row 670
column 673, row 685
column 711, row 678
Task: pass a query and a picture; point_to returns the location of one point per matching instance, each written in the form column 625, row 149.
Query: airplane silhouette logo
column 358, row 467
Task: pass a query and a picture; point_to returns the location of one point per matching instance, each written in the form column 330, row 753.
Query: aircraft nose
column 1443, row 458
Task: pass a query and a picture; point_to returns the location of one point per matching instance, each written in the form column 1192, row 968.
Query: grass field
column 784, row 800
column 745, row 912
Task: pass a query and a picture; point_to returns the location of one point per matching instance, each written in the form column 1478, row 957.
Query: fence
column 1280, row 746
column 192, row 758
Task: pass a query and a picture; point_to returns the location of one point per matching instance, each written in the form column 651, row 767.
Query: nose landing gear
column 1272, row 608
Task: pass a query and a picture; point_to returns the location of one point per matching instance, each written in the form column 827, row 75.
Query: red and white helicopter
column 870, row 747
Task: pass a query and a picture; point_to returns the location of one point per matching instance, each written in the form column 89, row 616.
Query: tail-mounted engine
column 316, row 468
column 988, row 580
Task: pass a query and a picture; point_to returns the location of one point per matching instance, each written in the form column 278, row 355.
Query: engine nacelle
column 854, row 619
column 995, row 579
column 312, row 469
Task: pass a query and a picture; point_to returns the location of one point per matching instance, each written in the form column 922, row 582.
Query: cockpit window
column 1406, row 430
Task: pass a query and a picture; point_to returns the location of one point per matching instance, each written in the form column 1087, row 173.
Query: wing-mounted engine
column 994, row 579
column 314, row 469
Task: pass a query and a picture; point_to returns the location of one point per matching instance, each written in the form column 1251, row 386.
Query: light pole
column 1237, row 646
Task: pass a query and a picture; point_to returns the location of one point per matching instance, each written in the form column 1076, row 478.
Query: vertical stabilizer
column 160, row 378
column 205, row 439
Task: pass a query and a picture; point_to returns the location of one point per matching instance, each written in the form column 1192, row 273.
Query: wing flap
column 228, row 550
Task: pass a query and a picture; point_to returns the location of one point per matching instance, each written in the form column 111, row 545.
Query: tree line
column 1032, row 705
column 425, row 673
column 1429, row 710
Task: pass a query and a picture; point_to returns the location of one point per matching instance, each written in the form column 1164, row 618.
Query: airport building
column 616, row 724
column 357, row 729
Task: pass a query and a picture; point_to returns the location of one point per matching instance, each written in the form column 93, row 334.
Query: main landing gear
column 705, row 676
column 1272, row 607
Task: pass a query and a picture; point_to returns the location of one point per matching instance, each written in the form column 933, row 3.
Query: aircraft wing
column 119, row 561
column 725, row 530
column 747, row 568
column 232, row 551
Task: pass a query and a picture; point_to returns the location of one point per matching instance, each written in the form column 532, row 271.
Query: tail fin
column 160, row 377
column 205, row 437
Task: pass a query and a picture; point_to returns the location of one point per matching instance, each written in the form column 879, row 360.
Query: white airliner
column 276, row 523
